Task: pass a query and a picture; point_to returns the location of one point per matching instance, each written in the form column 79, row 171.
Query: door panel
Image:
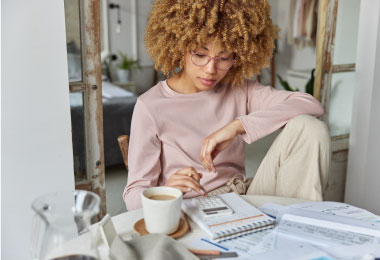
column 340, row 109
column 346, row 35
column 83, row 32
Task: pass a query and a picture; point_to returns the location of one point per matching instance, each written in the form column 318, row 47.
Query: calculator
column 212, row 206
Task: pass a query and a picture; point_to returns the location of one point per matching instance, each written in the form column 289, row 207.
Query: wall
column 36, row 136
column 131, row 37
column 288, row 56
column 363, row 176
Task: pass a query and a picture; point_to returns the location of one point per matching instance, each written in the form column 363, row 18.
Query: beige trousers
column 296, row 165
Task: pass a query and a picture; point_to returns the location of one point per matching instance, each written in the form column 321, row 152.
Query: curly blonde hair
column 241, row 26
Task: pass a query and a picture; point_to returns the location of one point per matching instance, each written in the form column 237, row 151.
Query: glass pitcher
column 61, row 226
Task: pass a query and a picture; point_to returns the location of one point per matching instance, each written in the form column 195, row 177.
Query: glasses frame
column 209, row 59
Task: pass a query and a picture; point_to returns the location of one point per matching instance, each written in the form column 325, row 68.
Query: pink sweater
column 168, row 128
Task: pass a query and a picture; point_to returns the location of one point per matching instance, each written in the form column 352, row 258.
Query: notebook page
column 245, row 217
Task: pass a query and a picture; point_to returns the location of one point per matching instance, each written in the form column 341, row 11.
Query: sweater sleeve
column 269, row 109
column 143, row 156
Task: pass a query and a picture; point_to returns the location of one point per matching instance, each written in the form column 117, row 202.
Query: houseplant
column 309, row 87
column 125, row 66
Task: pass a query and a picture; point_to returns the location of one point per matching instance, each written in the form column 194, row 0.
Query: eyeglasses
column 221, row 63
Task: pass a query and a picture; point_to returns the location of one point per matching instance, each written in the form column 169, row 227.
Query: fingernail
column 202, row 192
column 188, row 189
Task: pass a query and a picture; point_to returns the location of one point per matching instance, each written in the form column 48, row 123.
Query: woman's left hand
column 218, row 141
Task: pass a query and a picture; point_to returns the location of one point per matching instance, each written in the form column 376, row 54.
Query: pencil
column 204, row 252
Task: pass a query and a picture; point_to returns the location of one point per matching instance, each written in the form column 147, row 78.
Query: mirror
column 104, row 43
column 73, row 40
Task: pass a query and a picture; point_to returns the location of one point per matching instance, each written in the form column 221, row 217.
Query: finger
column 203, row 155
column 189, row 183
column 195, row 175
column 210, row 146
column 209, row 159
column 190, row 172
column 187, row 189
column 191, row 179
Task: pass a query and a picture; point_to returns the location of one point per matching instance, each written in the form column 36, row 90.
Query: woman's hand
column 186, row 179
column 218, row 141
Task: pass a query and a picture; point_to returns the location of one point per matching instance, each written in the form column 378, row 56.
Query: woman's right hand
column 186, row 180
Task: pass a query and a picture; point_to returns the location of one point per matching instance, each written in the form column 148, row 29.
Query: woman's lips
column 207, row 82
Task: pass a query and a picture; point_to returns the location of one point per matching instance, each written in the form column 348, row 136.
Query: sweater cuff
column 250, row 134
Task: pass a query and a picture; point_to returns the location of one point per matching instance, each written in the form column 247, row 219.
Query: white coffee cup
column 161, row 216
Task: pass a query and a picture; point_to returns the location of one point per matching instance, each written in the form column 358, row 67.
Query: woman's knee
column 310, row 126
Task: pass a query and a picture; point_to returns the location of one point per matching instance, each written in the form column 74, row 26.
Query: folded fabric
column 149, row 247
column 302, row 23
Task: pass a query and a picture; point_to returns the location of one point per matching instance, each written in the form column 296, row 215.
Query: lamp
column 116, row 6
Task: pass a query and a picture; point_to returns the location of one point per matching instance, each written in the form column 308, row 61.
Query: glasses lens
column 224, row 64
column 199, row 59
column 221, row 63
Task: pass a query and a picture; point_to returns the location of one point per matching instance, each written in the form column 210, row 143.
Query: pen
column 222, row 247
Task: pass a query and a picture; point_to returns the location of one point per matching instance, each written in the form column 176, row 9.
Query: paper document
column 245, row 244
column 338, row 209
column 242, row 245
column 272, row 209
column 326, row 230
column 326, row 207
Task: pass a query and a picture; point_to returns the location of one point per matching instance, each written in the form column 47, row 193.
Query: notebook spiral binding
column 243, row 230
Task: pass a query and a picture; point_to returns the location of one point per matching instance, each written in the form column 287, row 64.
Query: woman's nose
column 210, row 67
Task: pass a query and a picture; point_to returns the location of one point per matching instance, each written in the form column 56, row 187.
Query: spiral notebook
column 245, row 219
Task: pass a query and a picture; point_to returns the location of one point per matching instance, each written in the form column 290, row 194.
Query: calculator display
column 214, row 209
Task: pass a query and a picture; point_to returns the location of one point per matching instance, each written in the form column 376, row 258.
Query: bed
column 118, row 107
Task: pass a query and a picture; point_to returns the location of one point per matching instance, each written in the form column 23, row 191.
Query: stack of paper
column 245, row 219
column 316, row 230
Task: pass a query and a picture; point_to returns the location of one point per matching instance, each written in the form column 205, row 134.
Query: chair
column 123, row 141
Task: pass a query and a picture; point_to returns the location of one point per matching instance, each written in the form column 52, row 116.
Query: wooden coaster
column 183, row 227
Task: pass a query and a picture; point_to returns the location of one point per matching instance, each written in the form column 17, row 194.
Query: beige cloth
column 149, row 247
column 238, row 184
column 296, row 165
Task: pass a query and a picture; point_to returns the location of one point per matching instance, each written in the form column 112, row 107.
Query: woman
column 189, row 131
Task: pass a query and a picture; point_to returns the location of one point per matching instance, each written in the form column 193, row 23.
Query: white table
column 124, row 227
column 124, row 222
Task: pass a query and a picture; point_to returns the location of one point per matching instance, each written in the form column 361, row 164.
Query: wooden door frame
column 327, row 19
column 91, row 87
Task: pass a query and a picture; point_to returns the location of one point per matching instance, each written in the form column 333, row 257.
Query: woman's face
column 205, row 77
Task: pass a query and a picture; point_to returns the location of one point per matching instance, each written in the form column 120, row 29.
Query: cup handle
column 35, row 237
